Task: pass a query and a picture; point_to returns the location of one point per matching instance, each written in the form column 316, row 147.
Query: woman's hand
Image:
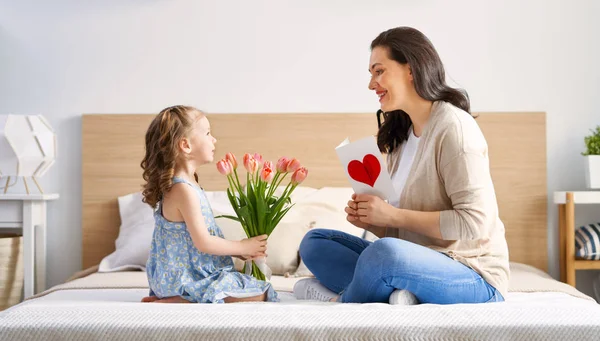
column 353, row 217
column 365, row 209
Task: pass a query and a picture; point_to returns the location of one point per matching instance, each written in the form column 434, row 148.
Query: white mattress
column 116, row 314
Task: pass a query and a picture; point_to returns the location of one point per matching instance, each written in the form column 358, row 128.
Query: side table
column 27, row 213
column 566, row 230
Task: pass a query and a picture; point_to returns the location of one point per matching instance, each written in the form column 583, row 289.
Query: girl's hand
column 254, row 247
column 370, row 210
column 248, row 257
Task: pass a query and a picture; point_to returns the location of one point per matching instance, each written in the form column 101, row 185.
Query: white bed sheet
column 117, row 314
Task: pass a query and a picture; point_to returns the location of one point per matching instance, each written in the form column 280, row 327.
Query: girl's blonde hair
column 162, row 150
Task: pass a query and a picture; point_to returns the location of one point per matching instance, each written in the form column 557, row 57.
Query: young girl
column 190, row 260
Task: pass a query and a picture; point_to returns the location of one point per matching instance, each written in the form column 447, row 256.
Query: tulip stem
column 239, row 186
column 273, row 185
column 280, row 180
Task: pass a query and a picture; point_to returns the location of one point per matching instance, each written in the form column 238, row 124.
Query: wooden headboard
column 113, row 146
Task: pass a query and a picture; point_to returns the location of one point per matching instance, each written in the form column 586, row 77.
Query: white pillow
column 332, row 201
column 135, row 236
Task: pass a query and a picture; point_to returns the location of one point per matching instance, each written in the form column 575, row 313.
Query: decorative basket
column 11, row 270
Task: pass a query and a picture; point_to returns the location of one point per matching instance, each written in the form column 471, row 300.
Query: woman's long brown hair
column 162, row 139
column 407, row 45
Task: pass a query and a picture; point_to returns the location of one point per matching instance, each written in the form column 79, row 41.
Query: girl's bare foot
column 149, row 299
column 175, row 299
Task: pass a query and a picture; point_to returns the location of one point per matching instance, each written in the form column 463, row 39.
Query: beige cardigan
column 450, row 173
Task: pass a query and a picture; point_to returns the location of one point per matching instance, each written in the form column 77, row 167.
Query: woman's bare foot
column 259, row 298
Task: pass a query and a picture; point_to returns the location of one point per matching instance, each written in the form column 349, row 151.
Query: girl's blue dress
column 177, row 268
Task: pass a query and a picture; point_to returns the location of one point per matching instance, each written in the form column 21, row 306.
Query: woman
column 441, row 241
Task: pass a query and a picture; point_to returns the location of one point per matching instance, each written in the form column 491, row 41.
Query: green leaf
column 278, row 218
column 237, row 181
column 261, row 209
column 277, row 209
column 232, row 199
column 273, row 185
column 252, row 220
column 244, row 215
column 279, row 204
column 228, row 217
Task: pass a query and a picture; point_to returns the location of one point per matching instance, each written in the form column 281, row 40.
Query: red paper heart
column 367, row 171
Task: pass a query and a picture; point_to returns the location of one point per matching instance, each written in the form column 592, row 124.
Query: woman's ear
column 410, row 74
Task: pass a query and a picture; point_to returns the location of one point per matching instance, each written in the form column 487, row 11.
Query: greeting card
column 365, row 168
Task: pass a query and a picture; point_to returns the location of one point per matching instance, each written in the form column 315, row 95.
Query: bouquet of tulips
column 256, row 207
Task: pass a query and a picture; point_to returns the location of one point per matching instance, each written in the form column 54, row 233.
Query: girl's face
column 201, row 142
column 391, row 81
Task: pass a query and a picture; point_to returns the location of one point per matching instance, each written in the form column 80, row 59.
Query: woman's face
column 391, row 81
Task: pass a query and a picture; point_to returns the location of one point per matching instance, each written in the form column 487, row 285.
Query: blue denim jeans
column 363, row 271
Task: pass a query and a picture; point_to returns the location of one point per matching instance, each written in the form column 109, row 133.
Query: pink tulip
column 224, row 167
column 282, row 164
column 293, row 165
column 253, row 166
column 299, row 175
column 246, row 159
column 267, row 174
column 259, row 159
column 231, row 158
column 268, row 164
column 250, row 164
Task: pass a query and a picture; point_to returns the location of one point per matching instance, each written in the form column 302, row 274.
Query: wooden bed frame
column 113, row 146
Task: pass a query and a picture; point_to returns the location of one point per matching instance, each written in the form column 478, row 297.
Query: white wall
column 65, row 58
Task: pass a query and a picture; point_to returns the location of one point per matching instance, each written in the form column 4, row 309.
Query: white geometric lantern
column 27, row 147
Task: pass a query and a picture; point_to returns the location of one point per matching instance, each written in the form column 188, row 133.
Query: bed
column 105, row 305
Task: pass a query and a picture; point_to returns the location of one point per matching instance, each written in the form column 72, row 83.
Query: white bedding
column 100, row 313
column 116, row 314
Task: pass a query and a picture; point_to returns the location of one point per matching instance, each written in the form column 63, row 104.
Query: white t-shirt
column 406, row 159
